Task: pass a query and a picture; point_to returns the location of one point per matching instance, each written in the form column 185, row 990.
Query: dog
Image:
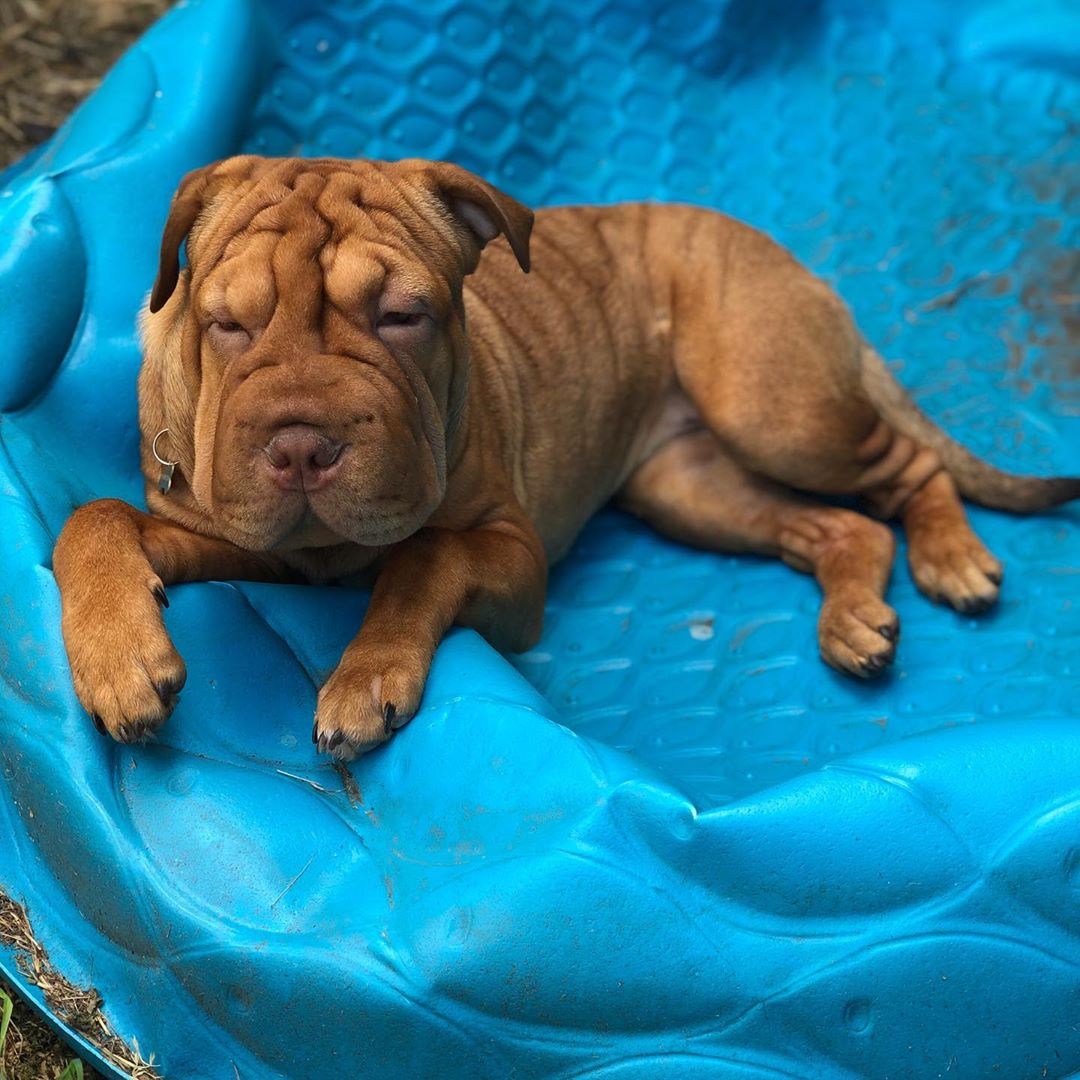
column 338, row 381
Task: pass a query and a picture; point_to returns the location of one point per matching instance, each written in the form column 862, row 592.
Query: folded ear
column 483, row 208
column 186, row 206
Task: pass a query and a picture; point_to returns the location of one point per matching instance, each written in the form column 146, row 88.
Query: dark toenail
column 336, row 740
column 888, row 632
column 99, row 724
column 160, row 597
column 389, row 712
column 315, row 732
column 164, row 691
column 880, row 661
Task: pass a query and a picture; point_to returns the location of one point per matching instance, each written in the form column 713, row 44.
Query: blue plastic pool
column 667, row 842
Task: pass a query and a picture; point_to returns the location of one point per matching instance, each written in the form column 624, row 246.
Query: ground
column 52, row 54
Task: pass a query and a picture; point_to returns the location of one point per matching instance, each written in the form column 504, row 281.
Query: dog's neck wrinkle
column 571, row 364
column 323, row 565
column 455, row 438
column 457, row 405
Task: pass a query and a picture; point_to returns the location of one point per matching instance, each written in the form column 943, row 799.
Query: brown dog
column 328, row 408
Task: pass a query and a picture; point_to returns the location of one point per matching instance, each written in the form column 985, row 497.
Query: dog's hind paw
column 955, row 568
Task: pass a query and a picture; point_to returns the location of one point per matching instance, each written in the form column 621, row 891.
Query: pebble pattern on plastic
column 936, row 190
column 730, row 862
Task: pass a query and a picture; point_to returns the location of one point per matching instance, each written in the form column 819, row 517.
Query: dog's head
column 311, row 362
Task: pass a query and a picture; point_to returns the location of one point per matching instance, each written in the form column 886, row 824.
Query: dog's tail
column 977, row 480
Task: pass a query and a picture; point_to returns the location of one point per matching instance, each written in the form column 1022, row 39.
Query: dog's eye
column 227, row 334
column 400, row 318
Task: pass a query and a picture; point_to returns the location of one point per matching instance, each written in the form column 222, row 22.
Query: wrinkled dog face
column 320, row 334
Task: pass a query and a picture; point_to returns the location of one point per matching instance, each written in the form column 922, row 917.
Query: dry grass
column 33, row 1051
column 52, row 54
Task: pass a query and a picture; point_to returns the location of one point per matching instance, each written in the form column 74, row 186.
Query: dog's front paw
column 126, row 671
column 857, row 633
column 374, row 691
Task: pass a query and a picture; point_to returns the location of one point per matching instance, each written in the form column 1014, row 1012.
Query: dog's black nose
column 302, row 459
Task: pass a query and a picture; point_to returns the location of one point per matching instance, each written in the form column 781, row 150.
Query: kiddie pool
column 667, row 842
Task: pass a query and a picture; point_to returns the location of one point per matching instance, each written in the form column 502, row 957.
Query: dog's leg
column 778, row 376
column 112, row 563
column 692, row 490
column 948, row 561
column 492, row 579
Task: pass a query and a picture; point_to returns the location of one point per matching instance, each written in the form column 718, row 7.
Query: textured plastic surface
column 730, row 862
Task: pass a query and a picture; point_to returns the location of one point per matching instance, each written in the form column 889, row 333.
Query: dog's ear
column 186, row 206
column 483, row 208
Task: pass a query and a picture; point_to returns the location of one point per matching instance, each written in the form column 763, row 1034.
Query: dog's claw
column 389, row 712
column 315, row 732
column 99, row 724
column 889, row 633
column 160, row 597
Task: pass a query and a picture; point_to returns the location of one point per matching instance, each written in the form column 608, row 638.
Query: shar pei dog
column 338, row 380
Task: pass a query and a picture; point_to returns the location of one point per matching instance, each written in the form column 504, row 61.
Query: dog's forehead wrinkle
column 427, row 210
column 405, row 284
column 298, row 277
column 247, row 260
column 356, row 273
column 406, row 220
column 327, row 253
column 241, row 285
column 245, row 247
column 295, row 212
column 225, row 228
column 341, row 192
column 251, row 298
column 405, row 262
column 310, row 183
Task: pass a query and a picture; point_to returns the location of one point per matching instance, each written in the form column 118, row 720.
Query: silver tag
column 165, row 481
